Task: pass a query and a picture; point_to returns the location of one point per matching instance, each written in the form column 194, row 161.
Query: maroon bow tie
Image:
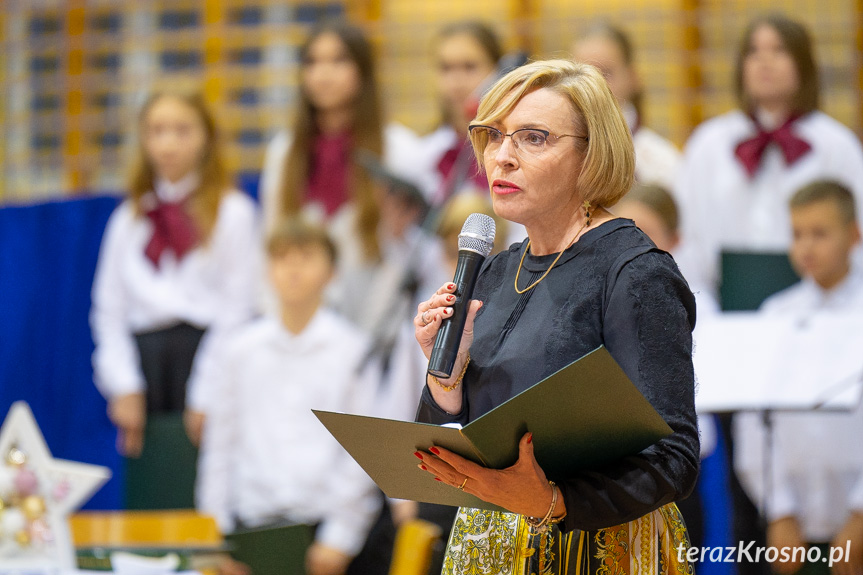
column 750, row 151
column 173, row 229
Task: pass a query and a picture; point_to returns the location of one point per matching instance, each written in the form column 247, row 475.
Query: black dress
column 613, row 288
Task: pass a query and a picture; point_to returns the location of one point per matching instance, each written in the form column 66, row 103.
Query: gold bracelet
column 541, row 525
column 458, row 381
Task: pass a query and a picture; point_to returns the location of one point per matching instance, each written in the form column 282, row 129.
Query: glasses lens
column 487, row 137
column 530, row 141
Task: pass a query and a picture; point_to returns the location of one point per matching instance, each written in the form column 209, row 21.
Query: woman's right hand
column 427, row 323
column 430, row 316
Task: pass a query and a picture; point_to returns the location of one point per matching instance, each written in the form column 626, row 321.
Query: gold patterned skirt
column 492, row 542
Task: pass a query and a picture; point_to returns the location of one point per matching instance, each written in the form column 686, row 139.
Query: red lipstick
column 503, row 187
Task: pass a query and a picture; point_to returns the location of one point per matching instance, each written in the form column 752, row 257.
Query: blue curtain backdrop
column 47, row 257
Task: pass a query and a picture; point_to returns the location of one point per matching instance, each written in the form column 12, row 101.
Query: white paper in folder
column 753, row 361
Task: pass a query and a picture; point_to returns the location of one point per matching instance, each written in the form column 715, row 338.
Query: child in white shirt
column 265, row 457
column 817, row 459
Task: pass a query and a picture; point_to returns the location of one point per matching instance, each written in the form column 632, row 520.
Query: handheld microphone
column 475, row 242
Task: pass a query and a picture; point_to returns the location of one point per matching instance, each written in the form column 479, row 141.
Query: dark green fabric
column 748, row 278
column 164, row 476
column 272, row 550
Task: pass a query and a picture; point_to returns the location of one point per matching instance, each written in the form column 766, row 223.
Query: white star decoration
column 37, row 493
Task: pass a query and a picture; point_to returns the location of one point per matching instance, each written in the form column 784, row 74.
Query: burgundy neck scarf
column 750, row 151
column 328, row 173
column 173, row 230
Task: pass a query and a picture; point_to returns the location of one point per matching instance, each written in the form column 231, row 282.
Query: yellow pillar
column 73, row 151
column 523, row 15
column 364, row 11
column 693, row 77
column 214, row 17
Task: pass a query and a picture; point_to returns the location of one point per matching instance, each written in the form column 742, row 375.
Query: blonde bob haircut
column 607, row 171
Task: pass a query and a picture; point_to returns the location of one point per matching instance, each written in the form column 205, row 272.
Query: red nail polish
column 437, row 479
column 450, row 286
column 418, row 454
column 450, row 298
column 530, row 438
column 434, row 450
column 423, row 467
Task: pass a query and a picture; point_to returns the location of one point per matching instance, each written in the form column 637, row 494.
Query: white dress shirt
column 723, row 208
column 265, row 456
column 656, row 159
column 213, row 287
column 817, row 463
column 400, row 156
column 433, row 146
column 365, row 292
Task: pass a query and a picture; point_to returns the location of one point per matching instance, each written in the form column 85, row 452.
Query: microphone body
column 446, row 344
column 475, row 243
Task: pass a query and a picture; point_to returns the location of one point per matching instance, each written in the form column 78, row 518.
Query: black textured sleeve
column 430, row 412
column 647, row 328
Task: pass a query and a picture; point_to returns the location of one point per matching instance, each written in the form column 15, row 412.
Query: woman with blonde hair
column 558, row 154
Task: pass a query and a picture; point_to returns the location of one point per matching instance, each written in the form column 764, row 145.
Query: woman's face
column 607, row 56
column 536, row 190
column 174, row 137
column 769, row 73
column 462, row 66
column 331, row 79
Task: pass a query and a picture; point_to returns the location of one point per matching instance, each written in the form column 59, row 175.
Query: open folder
column 583, row 416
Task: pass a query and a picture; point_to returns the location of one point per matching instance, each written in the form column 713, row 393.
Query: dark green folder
column 164, row 476
column 272, row 550
column 585, row 415
column 748, row 278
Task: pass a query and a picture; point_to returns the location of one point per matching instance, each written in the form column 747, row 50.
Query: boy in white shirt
column 265, row 458
column 817, row 494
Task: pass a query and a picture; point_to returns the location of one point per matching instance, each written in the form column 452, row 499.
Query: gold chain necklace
column 521, row 263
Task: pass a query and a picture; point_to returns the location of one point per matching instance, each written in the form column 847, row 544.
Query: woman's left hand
column 521, row 488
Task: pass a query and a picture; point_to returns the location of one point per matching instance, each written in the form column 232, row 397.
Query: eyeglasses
column 531, row 141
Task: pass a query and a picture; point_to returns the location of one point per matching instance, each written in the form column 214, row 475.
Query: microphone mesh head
column 477, row 234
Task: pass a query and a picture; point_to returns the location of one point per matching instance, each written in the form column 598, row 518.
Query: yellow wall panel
column 77, row 71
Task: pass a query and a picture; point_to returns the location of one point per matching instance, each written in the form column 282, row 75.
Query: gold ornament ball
column 33, row 507
column 22, row 538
